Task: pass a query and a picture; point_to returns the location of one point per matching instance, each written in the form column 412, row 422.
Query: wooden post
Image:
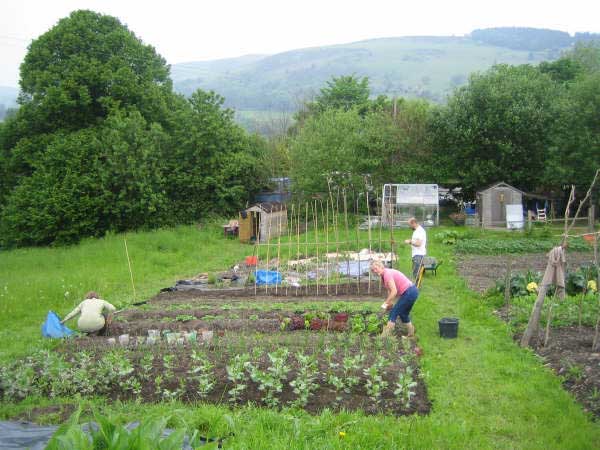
column 534, row 319
column 507, row 289
column 549, row 322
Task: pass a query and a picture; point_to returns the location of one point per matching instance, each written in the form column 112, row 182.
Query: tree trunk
column 534, row 319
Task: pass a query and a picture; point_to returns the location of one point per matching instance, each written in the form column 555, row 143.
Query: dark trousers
column 417, row 260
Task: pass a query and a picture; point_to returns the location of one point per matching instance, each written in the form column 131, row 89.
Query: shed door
column 500, row 198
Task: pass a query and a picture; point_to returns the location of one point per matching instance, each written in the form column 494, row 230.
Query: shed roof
column 501, row 184
column 268, row 207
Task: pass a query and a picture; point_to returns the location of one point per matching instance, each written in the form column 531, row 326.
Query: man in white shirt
column 418, row 243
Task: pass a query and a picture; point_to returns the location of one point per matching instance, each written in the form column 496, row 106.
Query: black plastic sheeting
column 25, row 435
column 21, row 435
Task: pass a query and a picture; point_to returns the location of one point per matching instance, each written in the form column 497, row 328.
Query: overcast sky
column 197, row 30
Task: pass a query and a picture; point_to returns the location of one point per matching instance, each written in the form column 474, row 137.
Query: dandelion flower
column 592, row 286
column 342, row 434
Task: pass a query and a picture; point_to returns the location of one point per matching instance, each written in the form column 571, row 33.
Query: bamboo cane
column 358, row 247
column 347, row 232
column 298, row 241
column 316, row 228
column 289, row 229
column 258, row 258
column 279, row 246
column 337, row 238
column 392, row 223
column 380, row 231
column 327, row 249
column 268, row 252
column 130, row 271
column 369, row 222
column 306, row 242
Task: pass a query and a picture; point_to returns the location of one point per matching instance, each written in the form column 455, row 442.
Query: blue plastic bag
column 52, row 328
column 267, row 277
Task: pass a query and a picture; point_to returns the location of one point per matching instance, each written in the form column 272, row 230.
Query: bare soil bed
column 482, row 271
column 569, row 355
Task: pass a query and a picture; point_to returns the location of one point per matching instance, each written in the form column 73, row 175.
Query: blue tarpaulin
column 52, row 328
column 267, row 277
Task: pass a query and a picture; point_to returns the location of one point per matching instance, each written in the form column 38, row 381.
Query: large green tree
column 498, row 127
column 101, row 143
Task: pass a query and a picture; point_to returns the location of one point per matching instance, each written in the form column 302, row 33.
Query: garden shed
column 494, row 201
column 403, row 201
column 263, row 221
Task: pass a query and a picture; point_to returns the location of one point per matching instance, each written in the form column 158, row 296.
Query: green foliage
column 489, row 246
column 523, row 38
column 497, row 128
column 110, row 435
column 337, row 148
column 345, row 92
column 101, row 143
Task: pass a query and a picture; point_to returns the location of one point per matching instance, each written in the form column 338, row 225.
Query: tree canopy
column 101, row 143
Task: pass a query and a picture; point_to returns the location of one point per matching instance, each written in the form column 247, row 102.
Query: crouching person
column 95, row 314
column 401, row 296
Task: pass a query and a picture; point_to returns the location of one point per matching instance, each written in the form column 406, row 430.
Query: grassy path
column 486, row 391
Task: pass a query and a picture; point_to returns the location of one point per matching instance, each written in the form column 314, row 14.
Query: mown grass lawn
column 486, row 392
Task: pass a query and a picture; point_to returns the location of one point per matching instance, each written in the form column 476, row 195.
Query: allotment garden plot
column 234, row 348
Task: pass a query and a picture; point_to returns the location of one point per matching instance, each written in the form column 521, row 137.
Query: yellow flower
column 342, row 434
column 592, row 286
column 532, row 287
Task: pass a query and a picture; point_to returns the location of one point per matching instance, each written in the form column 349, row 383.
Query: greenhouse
column 403, row 201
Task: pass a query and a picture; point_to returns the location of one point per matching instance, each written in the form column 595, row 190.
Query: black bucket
column 448, row 327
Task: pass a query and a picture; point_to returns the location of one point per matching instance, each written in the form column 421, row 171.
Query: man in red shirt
column 401, row 288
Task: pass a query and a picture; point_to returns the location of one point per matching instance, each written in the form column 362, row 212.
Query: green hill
column 427, row 67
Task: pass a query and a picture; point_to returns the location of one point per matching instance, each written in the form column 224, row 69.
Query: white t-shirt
column 419, row 233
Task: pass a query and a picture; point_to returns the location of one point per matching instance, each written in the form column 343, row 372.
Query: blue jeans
column 404, row 305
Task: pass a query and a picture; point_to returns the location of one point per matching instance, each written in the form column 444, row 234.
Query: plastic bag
column 52, row 328
column 267, row 277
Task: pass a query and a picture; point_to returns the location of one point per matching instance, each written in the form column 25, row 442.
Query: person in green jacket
column 95, row 314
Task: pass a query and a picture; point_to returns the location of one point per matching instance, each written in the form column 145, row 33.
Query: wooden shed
column 492, row 201
column 263, row 221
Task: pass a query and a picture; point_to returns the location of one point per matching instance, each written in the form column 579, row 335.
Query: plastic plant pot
column 111, row 341
column 180, row 341
column 448, row 327
column 153, row 333
column 124, row 339
column 151, row 340
column 171, row 338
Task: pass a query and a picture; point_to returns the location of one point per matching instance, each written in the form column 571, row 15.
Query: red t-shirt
column 400, row 280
